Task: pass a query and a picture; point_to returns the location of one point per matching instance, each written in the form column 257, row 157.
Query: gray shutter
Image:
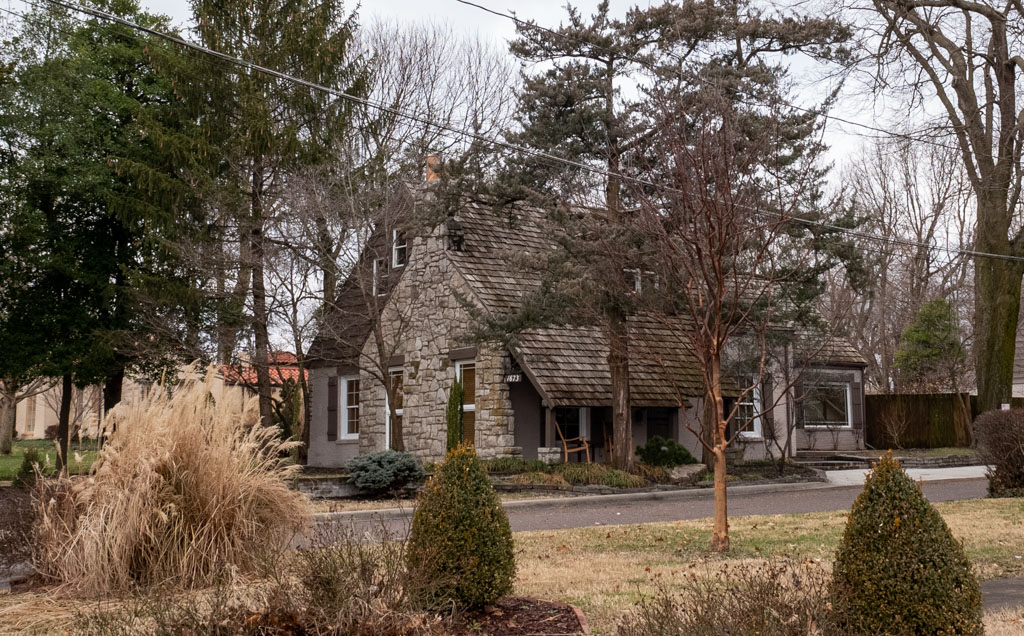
column 332, row 408
column 857, row 404
column 798, row 394
column 767, row 402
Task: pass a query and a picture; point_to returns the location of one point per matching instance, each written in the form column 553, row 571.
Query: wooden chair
column 583, row 447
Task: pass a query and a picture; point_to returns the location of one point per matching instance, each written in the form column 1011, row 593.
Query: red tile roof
column 284, row 367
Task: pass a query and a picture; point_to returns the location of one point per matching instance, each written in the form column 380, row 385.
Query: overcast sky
column 843, row 139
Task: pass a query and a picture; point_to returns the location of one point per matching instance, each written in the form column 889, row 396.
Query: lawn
column 605, row 570
column 82, row 456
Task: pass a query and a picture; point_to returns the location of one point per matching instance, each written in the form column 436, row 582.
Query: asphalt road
column 619, row 510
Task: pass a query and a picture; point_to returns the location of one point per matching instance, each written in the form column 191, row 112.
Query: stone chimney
column 433, row 168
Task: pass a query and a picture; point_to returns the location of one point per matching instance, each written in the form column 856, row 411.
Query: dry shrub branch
column 187, row 487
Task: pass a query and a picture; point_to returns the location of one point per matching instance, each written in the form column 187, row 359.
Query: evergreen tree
column 96, row 190
column 268, row 129
column 931, row 349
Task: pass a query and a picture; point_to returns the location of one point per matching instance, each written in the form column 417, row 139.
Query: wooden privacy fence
column 922, row 420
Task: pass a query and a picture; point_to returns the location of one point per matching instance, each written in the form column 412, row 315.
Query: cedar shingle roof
column 571, row 365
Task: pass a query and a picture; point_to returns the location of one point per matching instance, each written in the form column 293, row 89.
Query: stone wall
column 425, row 322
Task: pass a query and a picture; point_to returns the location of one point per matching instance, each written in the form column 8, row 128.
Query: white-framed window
column 380, row 273
column 748, row 414
column 350, row 389
column 30, row 416
column 397, row 376
column 637, row 279
column 573, row 421
column 399, row 248
column 827, row 404
column 465, row 371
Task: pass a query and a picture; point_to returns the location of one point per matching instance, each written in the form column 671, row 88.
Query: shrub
column 186, row 487
column 461, row 536
column 453, row 415
column 513, row 465
column 779, row 598
column 667, row 453
column 31, row 462
column 898, row 569
column 383, row 471
column 647, row 472
column 1000, row 436
column 580, row 474
column 50, row 433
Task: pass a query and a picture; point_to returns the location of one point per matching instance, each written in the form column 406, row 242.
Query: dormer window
column 380, row 273
column 636, row 280
column 399, row 248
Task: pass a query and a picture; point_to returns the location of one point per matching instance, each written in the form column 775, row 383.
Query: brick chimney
column 433, row 168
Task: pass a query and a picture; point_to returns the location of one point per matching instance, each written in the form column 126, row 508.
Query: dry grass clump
column 187, row 487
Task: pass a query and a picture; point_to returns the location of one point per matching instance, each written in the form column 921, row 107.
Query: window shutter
column 857, row 405
column 767, row 405
column 332, row 408
column 797, row 393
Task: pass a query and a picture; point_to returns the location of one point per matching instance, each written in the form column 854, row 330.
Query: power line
column 483, row 139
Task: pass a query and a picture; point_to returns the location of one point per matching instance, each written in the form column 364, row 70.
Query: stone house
column 406, row 316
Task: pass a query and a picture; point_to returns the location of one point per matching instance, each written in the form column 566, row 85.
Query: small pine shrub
column 1000, row 437
column 26, row 475
column 453, row 415
column 667, row 453
column 899, row 570
column 460, row 535
column 383, row 471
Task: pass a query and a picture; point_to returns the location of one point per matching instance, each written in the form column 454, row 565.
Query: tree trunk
column 8, row 413
column 996, row 311
column 112, row 390
column 720, row 531
column 618, row 365
column 63, row 423
column 259, row 301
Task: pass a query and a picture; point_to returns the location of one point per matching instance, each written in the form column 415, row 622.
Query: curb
column 582, row 500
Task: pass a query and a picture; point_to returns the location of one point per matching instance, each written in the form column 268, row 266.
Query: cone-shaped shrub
column 899, row 570
column 461, row 539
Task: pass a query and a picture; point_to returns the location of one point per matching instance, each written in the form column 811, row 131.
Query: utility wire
column 99, row 13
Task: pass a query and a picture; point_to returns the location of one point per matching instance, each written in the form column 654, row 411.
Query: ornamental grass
column 188, row 487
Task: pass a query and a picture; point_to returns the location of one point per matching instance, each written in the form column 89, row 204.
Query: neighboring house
column 283, row 367
column 39, row 412
column 418, row 296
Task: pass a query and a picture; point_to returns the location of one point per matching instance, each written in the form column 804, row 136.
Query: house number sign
column 512, row 378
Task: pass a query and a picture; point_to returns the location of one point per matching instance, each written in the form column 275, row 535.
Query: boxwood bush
column 667, row 453
column 1000, row 437
column 899, row 570
column 383, row 471
column 460, row 537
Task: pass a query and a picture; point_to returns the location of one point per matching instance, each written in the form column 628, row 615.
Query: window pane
column 568, row 420
column 396, row 389
column 469, row 384
column 825, row 405
column 352, row 406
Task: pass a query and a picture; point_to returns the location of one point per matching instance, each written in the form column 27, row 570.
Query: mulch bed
column 15, row 525
column 517, row 616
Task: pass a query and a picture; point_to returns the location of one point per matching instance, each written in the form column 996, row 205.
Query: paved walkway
column 1001, row 594
column 856, row 477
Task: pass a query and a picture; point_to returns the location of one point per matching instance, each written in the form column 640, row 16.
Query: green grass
column 9, row 464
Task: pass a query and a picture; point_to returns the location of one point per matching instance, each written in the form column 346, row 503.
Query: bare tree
column 963, row 55
column 722, row 214
column 915, row 201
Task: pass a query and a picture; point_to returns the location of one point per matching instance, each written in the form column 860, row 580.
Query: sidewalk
column 856, row 477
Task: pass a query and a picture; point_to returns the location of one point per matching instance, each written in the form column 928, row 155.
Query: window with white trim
column 826, row 404
column 637, row 279
column 748, row 414
column 349, row 407
column 465, row 371
column 30, row 415
column 397, row 376
column 399, row 248
column 380, row 273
